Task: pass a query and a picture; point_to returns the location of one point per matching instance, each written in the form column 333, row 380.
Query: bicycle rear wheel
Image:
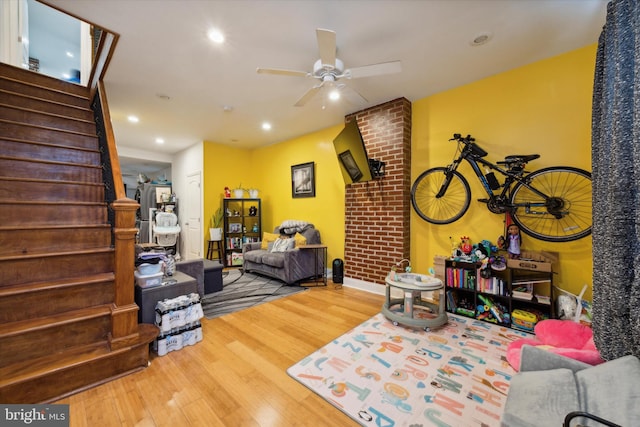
column 563, row 217
column 450, row 206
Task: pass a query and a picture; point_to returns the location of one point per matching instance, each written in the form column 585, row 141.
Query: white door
column 193, row 245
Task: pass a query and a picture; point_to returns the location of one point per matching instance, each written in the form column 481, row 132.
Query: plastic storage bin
column 149, row 280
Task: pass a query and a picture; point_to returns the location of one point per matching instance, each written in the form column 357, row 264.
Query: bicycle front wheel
column 564, row 215
column 450, row 206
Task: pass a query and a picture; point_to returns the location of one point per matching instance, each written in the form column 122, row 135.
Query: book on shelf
column 543, row 299
column 524, row 292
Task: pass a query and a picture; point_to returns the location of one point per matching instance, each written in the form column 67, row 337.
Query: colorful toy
column 523, row 320
column 465, row 245
column 513, row 241
column 492, row 308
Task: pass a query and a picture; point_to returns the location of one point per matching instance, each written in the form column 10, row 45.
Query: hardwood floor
column 237, row 375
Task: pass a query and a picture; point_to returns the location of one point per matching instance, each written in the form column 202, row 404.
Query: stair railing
column 122, row 210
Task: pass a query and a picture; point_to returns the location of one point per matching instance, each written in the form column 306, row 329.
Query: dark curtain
column 616, row 183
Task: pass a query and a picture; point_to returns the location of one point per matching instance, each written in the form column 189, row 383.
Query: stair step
column 35, row 84
column 30, row 214
column 54, row 121
column 22, row 149
column 27, row 241
column 43, row 134
column 17, row 270
column 29, row 102
column 54, row 171
column 39, row 381
column 59, row 331
column 50, row 297
column 24, row 189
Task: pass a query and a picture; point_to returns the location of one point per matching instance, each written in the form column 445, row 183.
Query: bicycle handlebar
column 465, row 140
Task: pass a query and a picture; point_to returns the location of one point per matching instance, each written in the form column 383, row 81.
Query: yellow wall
column 225, row 166
column 543, row 108
column 269, row 170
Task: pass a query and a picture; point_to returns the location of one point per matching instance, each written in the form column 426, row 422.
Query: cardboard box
column 439, row 266
column 534, row 261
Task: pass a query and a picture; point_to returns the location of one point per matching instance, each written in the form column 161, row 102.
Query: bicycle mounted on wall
column 552, row 204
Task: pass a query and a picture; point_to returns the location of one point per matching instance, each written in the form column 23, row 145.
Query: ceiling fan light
column 334, row 95
column 216, row 36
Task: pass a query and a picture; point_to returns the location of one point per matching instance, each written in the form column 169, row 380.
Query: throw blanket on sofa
column 292, row 226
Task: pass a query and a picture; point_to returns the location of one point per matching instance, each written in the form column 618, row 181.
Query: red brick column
column 377, row 212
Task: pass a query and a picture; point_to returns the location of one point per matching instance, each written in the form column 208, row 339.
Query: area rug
column 385, row 375
column 243, row 290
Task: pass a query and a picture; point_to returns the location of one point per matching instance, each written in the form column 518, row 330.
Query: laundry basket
column 166, row 229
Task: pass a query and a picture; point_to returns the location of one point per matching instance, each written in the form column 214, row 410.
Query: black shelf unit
column 469, row 294
column 242, row 224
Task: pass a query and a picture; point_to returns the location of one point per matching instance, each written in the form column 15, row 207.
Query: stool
column 214, row 246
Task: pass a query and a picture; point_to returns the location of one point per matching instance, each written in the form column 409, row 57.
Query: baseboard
column 374, row 288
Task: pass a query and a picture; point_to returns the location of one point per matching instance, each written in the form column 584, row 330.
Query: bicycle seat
column 518, row 159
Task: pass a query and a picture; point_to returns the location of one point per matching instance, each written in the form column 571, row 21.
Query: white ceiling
column 164, row 51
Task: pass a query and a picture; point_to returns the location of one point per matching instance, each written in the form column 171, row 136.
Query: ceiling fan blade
column 374, row 70
column 282, row 72
column 308, row 95
column 327, row 46
column 353, row 96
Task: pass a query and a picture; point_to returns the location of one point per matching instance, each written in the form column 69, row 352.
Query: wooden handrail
column 118, row 184
column 104, row 52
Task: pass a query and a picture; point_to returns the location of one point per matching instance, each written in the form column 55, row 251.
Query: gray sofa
column 291, row 266
column 549, row 387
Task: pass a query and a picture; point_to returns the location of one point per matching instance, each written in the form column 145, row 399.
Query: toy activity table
column 403, row 310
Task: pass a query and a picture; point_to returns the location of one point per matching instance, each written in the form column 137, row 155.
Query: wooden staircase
column 68, row 317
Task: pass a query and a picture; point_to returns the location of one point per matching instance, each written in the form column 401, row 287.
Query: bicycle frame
column 473, row 154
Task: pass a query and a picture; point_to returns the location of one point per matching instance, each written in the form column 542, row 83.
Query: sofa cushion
column 255, row 255
column 611, row 390
column 300, row 240
column 266, row 238
column 540, row 398
column 274, row 259
column 282, row 245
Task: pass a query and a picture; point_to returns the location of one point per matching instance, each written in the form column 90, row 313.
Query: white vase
column 253, row 194
column 215, row 234
column 238, row 193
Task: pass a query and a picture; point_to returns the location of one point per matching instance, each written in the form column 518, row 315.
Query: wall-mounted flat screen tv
column 352, row 154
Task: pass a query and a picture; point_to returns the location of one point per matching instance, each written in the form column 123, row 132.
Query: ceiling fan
column 329, row 69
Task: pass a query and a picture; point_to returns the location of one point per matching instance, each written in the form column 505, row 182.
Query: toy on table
column 465, row 245
column 227, row 192
column 514, row 239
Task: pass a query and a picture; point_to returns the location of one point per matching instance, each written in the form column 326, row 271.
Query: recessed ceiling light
column 266, row 126
column 69, row 54
column 159, row 141
column 133, row 119
column 216, row 36
column 227, row 108
column 481, row 39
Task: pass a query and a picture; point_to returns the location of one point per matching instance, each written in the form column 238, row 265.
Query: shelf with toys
column 484, row 284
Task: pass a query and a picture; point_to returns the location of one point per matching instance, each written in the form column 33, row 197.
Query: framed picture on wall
column 303, row 180
column 350, row 165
